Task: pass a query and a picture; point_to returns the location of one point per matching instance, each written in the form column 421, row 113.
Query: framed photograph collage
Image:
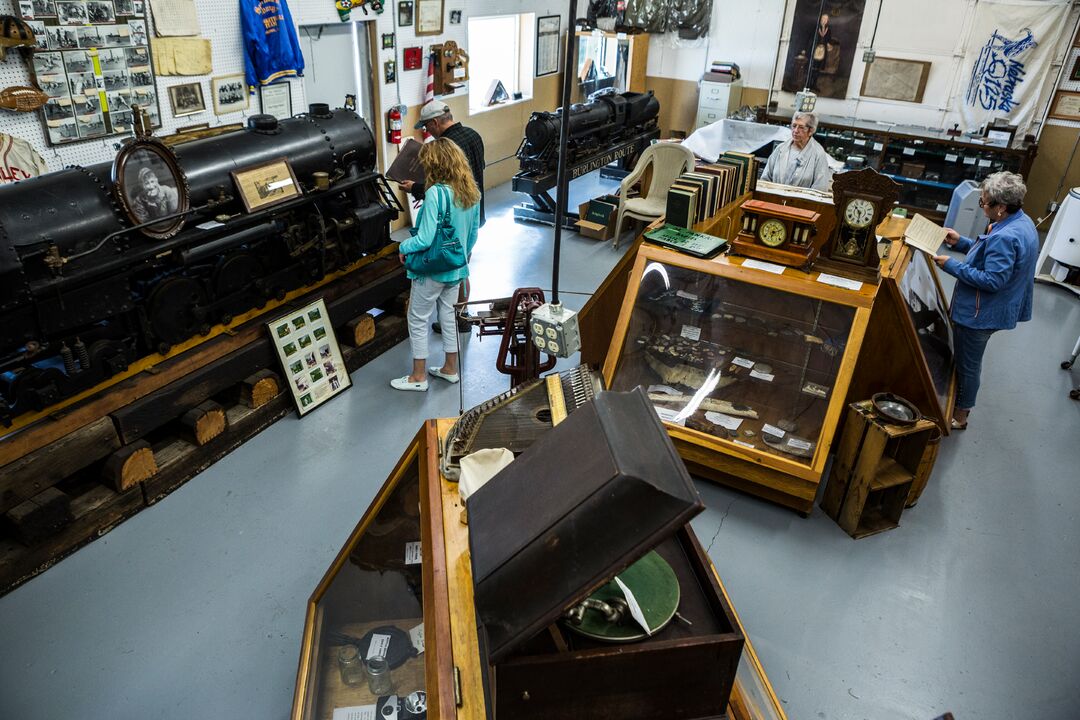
column 310, row 356
column 93, row 61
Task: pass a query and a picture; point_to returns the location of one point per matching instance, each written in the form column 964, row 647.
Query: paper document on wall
column 182, row 56
column 174, row 17
column 924, row 235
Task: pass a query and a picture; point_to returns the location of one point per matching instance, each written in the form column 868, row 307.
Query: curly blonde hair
column 445, row 163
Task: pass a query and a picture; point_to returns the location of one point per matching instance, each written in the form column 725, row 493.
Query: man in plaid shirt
column 438, row 121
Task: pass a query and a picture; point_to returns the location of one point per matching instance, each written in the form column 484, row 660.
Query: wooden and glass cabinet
column 748, row 369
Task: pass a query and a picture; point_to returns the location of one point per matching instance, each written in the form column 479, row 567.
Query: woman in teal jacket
column 994, row 283
column 450, row 187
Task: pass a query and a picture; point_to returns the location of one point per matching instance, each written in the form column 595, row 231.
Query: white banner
column 1010, row 50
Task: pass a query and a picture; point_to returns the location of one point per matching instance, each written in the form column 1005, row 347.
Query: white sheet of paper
column 839, row 282
column 762, row 376
column 379, row 647
column 665, row 389
column 690, row 332
column 800, row 444
column 744, row 444
column 668, row 415
column 635, row 608
column 772, row 430
column 743, row 362
column 413, row 553
column 924, row 235
column 766, row 266
column 175, row 17
column 725, row 421
column 355, row 712
column 416, row 635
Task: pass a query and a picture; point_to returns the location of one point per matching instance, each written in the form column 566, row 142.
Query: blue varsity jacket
column 271, row 48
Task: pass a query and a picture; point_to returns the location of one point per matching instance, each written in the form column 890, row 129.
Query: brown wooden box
column 611, row 487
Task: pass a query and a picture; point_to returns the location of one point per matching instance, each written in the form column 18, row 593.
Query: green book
column 681, row 207
column 686, row 241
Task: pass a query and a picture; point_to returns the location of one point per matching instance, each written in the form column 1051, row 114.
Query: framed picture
column 388, row 41
column 429, row 17
column 310, row 357
column 455, row 17
column 149, row 184
column 268, row 184
column 389, row 71
column 230, row 93
column 1000, row 135
column 404, row 13
column 1065, row 106
column 1075, row 74
column 276, row 99
column 187, row 99
column 547, row 45
column 895, row 79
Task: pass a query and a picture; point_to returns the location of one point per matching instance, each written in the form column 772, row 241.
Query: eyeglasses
column 986, row 203
column 796, row 126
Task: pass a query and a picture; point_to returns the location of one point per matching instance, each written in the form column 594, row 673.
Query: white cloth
column 810, row 169
column 1009, row 54
column 711, row 141
column 479, row 467
column 18, row 161
column 425, row 295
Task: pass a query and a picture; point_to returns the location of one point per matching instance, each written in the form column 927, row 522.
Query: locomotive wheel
column 108, row 358
column 175, row 310
column 36, row 389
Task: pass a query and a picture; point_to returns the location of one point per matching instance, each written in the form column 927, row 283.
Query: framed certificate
column 276, row 99
column 1066, row 106
column 429, row 17
column 547, row 45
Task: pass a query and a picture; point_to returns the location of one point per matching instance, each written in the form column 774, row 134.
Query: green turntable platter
column 605, row 615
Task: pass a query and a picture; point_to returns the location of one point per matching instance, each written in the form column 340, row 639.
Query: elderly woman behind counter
column 994, row 283
column 800, row 161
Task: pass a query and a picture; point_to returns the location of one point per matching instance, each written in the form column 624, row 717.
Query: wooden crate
column 875, row 470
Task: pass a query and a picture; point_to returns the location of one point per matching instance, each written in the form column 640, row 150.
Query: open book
column 925, row 235
column 406, row 165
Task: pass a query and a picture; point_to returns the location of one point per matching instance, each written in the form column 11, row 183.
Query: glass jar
column 379, row 679
column 350, row 665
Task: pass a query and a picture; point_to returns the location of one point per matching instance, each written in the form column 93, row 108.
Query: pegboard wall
column 1071, row 58
column 220, row 23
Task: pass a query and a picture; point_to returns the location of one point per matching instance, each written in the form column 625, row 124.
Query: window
column 501, row 49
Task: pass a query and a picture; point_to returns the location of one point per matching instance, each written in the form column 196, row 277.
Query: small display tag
column 839, row 282
column 690, row 332
column 664, row 389
column 725, row 421
column 416, row 636
column 772, row 430
column 210, row 225
column 762, row 376
column 860, row 142
column 635, row 608
column 984, row 163
column 766, row 266
column 815, row 390
column 909, row 151
column 355, row 712
column 413, row 553
column 942, row 208
column 379, row 647
column 799, row 444
column 951, row 157
column 878, row 146
column 744, row 444
column 969, row 161
column 668, row 415
column 743, row 362
column 685, row 295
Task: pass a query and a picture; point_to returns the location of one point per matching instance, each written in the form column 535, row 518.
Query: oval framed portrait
column 149, row 184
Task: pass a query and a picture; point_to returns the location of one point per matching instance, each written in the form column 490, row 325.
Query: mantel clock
column 777, row 233
column 862, row 199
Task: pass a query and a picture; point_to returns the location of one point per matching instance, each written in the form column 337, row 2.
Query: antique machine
column 609, row 127
column 93, row 277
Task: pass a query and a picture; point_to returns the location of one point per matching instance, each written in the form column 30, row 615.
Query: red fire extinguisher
column 393, row 124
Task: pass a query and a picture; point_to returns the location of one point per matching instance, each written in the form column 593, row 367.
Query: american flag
column 429, row 89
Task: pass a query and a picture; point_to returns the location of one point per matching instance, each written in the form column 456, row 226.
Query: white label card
column 766, row 266
column 951, row 157
column 665, row 389
column 799, row 444
column 690, row 332
column 743, row 362
column 725, row 421
column 860, row 142
column 355, row 712
column 839, row 282
column 878, row 146
column 414, row 553
column 762, row 376
column 210, row 225
column 416, row 635
column 969, row 161
column 984, row 163
column 909, row 151
column 744, row 444
column 685, row 295
column 772, row 430
column 942, row 208
column 279, row 184
column 668, row 415
column 379, row 647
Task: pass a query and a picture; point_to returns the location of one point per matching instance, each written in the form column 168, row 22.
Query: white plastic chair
column 669, row 161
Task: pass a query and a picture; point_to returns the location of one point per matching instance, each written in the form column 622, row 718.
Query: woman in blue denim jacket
column 994, row 283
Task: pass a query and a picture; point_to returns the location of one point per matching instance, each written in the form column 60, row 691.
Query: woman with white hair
column 994, row 283
column 800, row 161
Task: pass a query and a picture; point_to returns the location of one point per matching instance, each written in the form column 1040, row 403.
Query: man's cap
column 430, row 111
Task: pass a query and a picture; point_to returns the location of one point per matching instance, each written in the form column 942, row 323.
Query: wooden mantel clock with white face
column 777, row 233
column 862, row 199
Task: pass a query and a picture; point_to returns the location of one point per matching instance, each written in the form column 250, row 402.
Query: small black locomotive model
column 102, row 265
column 605, row 120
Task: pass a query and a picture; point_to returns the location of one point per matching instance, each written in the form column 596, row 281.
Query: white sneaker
column 437, row 372
column 404, row 383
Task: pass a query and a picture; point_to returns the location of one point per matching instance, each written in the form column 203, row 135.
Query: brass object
column 322, row 180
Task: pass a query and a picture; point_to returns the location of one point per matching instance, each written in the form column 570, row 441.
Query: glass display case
column 743, row 361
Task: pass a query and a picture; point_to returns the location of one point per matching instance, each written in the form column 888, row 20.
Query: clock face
column 859, row 212
column 772, row 233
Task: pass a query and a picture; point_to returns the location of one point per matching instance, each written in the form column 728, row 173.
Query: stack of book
column 722, row 71
column 698, row 195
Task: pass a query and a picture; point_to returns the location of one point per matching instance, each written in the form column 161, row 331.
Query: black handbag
column 445, row 253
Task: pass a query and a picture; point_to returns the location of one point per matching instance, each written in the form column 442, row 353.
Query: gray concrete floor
column 194, row 608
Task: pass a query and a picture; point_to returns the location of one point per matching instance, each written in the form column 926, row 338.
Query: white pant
column 426, row 294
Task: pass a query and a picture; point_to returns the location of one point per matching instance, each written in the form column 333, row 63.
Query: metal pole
column 569, row 73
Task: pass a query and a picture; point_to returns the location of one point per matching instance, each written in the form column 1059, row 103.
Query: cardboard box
column 598, row 217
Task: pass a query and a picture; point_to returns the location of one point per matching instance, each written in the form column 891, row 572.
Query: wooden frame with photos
column 217, row 84
column 429, row 17
column 915, row 73
column 1065, row 106
column 180, row 108
column 276, row 99
column 311, row 361
column 259, row 185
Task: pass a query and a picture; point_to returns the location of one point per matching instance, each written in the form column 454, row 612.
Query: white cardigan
column 813, row 170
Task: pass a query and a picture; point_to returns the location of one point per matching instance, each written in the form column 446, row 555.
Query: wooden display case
column 749, row 369
column 453, row 667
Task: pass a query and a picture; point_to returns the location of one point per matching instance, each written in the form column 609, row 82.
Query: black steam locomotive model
column 94, row 275
column 603, row 121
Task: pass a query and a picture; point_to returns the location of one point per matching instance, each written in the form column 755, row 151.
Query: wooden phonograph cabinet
column 501, row 646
